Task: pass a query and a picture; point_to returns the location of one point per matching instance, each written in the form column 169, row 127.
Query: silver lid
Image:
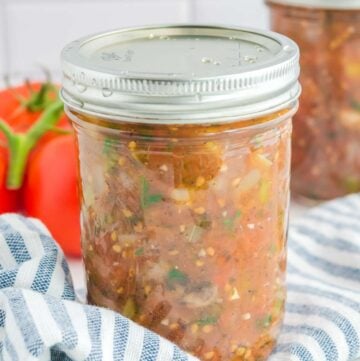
column 189, row 73
column 321, row 4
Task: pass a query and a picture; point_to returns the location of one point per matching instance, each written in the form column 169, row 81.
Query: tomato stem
column 6, row 130
column 39, row 100
column 20, row 145
column 19, row 152
column 61, row 131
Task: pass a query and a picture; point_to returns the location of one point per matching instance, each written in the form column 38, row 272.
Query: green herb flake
column 108, row 142
column 264, row 322
column 148, row 199
column 229, row 223
column 355, row 105
column 278, row 306
column 170, row 146
column 139, row 252
column 175, row 276
column 208, row 320
column 154, row 198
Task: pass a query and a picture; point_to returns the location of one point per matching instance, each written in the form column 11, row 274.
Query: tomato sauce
column 185, row 230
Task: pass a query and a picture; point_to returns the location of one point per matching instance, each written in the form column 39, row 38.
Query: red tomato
column 19, row 116
column 20, row 108
column 8, row 198
column 11, row 109
column 50, row 191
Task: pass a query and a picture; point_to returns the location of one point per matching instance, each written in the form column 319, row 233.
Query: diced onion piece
column 234, row 294
column 350, row 119
column 264, row 160
column 180, row 195
column 88, row 195
column 157, row 272
column 194, row 234
column 128, row 238
column 249, row 181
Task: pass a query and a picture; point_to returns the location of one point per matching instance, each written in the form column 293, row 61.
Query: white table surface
column 77, row 269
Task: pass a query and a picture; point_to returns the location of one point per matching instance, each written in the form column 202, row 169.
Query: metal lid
column 189, row 73
column 321, row 4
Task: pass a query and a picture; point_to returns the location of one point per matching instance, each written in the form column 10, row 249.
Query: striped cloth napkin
column 40, row 318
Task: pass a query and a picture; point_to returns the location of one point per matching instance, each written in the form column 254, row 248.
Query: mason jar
column 184, row 153
column 326, row 138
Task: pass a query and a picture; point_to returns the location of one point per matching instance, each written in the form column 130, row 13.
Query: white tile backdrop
column 33, row 31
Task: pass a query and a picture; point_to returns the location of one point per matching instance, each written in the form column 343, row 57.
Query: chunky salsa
column 184, row 229
column 326, row 137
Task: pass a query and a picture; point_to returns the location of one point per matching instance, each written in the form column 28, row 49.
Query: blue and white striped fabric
column 40, row 318
column 322, row 321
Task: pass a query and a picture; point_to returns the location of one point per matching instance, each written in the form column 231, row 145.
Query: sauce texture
column 326, row 136
column 184, row 229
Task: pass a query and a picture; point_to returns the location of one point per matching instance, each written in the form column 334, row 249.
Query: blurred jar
column 326, row 136
column 184, row 143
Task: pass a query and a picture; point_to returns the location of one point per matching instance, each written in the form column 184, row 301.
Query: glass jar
column 184, row 163
column 326, row 137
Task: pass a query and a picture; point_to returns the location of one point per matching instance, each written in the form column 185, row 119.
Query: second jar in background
column 326, row 136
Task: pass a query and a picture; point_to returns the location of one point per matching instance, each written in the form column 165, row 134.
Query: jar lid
column 186, row 73
column 321, row 4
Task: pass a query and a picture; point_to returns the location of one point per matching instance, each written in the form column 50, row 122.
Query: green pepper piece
column 139, row 252
column 208, row 320
column 130, row 308
column 351, row 184
column 107, row 145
